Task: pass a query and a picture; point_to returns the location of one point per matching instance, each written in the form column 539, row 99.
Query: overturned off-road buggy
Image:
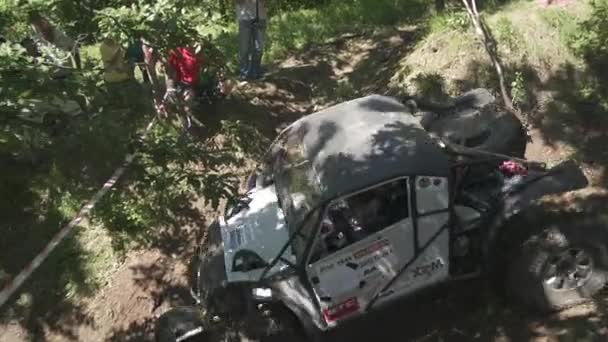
column 372, row 200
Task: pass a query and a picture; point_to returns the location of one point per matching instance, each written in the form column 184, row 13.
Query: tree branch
column 490, row 46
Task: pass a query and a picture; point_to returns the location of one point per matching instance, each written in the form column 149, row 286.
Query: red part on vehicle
column 345, row 308
column 512, row 168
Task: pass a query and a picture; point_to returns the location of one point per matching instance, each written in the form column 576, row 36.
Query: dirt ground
column 151, row 281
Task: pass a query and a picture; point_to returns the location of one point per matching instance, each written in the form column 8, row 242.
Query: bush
column 563, row 22
column 519, row 93
column 171, row 171
column 591, row 41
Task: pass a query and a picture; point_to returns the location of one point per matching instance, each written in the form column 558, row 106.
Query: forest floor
column 150, row 281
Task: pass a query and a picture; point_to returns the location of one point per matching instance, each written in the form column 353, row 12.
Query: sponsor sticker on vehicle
column 341, row 310
column 428, row 269
column 374, row 247
column 372, row 259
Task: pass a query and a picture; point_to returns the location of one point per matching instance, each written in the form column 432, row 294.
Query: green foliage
column 23, row 81
column 12, row 21
column 171, row 171
column 563, row 22
column 591, row 40
column 450, row 20
column 430, row 85
column 507, row 34
column 297, row 29
column 165, row 24
column 345, row 91
column 519, row 94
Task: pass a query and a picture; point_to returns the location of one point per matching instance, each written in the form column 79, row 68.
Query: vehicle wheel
column 560, row 265
column 208, row 278
column 222, row 301
column 485, row 129
column 177, row 323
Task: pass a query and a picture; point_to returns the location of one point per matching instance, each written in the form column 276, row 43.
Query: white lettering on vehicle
column 412, row 276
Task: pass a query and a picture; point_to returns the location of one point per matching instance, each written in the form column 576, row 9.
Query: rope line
column 15, row 283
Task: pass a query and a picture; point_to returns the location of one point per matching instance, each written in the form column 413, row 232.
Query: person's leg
column 258, row 49
column 244, row 47
column 150, row 60
column 188, row 94
column 144, row 73
column 77, row 59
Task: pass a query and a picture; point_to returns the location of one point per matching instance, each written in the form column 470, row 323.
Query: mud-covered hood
column 260, row 228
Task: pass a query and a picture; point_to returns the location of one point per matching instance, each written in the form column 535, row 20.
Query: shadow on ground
column 41, row 195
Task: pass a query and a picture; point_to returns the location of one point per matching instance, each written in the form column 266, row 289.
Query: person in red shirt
column 186, row 64
column 184, row 67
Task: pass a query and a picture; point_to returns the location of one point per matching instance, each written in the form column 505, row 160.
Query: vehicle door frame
column 300, row 265
column 345, row 196
column 415, row 215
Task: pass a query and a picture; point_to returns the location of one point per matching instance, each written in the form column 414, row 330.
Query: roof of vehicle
column 359, row 143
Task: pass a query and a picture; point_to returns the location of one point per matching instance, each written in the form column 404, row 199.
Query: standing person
column 150, row 60
column 117, row 73
column 182, row 78
column 137, row 58
column 53, row 43
column 251, row 15
column 116, row 68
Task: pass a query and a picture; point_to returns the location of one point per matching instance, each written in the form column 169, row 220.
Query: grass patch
column 563, row 22
column 295, row 30
column 507, row 34
column 48, row 188
column 450, row 20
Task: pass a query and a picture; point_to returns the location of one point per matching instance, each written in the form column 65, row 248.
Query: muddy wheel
column 180, row 324
column 559, row 265
column 486, row 129
column 208, row 281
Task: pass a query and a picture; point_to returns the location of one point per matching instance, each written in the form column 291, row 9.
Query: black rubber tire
column 485, row 129
column 223, row 301
column 527, row 258
column 178, row 321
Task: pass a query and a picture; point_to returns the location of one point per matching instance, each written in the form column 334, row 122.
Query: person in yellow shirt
column 116, row 67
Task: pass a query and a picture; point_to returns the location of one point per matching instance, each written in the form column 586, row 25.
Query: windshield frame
column 300, row 260
column 293, row 176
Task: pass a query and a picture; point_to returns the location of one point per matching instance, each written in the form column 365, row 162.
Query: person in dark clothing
column 252, row 17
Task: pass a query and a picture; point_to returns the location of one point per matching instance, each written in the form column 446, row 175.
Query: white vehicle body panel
column 260, row 228
column 351, row 278
column 363, row 268
column 432, row 264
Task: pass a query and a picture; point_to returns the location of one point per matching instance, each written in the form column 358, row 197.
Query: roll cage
column 459, row 170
